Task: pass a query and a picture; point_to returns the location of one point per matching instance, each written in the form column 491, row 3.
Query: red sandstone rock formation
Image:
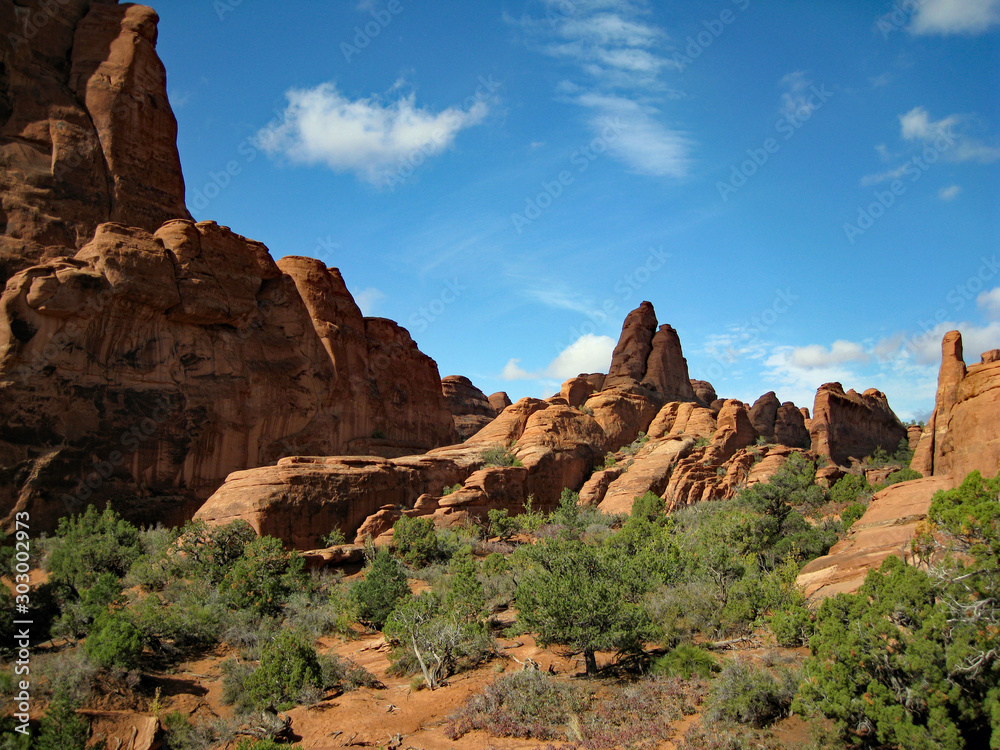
column 704, row 391
column 790, row 427
column 468, row 405
column 628, row 362
column 86, row 133
column 848, row 425
column 499, row 401
column 885, row 529
column 144, row 357
column 962, row 434
column 763, row 415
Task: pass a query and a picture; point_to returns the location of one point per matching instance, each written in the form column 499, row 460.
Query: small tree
column 438, row 638
column 287, row 664
column 584, row 597
column 382, row 588
column 93, row 543
column 62, row 728
column 263, row 577
column 115, row 641
column 415, row 541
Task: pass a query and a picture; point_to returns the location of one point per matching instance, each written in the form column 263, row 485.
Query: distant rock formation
column 651, row 357
column 780, row 423
column 962, row 434
column 469, row 406
column 849, row 425
column 144, row 357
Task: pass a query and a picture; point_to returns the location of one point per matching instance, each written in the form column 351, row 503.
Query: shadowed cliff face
column 144, row 357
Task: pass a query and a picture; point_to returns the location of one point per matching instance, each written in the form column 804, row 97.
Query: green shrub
column 415, row 541
column 449, row 490
column 519, row 704
column 501, row 524
column 382, row 588
column 686, row 660
column 287, row 665
column 115, row 641
column 345, row 675
column 851, row 488
column 78, row 616
column 851, row 513
column 903, row 475
column 500, row 455
column 234, row 684
column 912, row 659
column 747, row 694
column 212, row 550
column 87, row 545
column 262, row 577
column 180, row 734
column 334, row 538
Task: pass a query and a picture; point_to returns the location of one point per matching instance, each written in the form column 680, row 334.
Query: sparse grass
column 500, row 455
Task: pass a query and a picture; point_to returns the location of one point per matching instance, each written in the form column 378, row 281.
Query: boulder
column 576, row 391
column 704, row 392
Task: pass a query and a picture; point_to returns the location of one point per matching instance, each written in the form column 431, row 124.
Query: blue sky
column 806, row 191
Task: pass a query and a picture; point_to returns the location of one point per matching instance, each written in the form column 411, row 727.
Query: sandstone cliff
column 962, row 434
column 144, row 357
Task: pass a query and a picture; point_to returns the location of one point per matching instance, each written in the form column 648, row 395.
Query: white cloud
column 815, row 356
column 368, row 299
column 892, row 174
column 949, row 193
column 589, row 353
column 632, row 133
column 989, row 304
column 917, row 125
column 369, row 137
column 513, row 371
column 924, row 348
column 955, row 16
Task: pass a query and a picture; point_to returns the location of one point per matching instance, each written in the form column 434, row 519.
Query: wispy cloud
column 615, row 52
column 989, row 304
column 368, row 299
column 370, row 137
column 797, row 102
column 917, row 125
column 948, row 137
column 949, row 193
column 955, row 16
